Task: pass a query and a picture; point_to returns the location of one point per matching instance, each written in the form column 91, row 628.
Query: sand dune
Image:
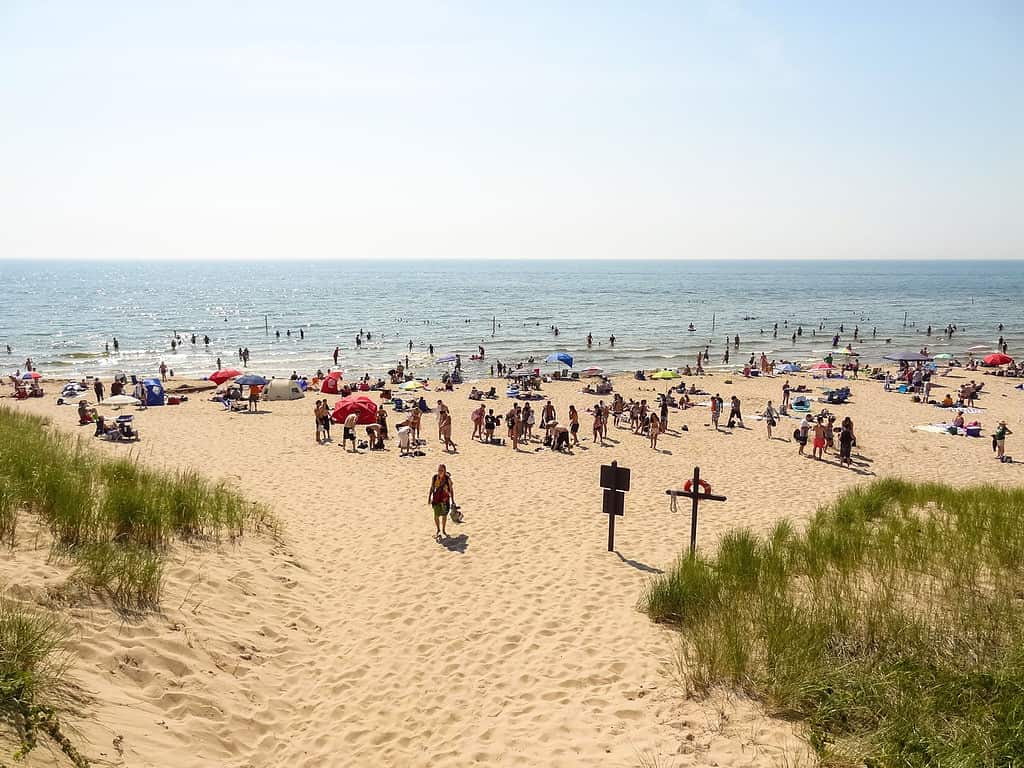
column 357, row 639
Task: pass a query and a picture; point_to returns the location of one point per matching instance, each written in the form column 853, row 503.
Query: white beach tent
column 282, row 389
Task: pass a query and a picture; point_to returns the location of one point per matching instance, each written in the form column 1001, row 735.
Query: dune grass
column 34, row 682
column 893, row 625
column 113, row 517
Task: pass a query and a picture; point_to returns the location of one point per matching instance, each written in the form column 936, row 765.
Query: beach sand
column 356, row 639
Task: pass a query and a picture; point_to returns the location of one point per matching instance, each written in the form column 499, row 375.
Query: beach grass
column 34, row 664
column 892, row 625
column 112, row 516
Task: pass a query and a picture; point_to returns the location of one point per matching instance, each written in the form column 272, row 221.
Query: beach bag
column 796, row 435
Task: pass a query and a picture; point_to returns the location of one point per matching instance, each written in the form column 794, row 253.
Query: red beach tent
column 331, row 385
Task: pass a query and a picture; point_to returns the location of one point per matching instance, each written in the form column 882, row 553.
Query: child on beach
column 819, row 439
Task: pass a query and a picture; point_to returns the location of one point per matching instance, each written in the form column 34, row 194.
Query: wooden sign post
column 693, row 491
column 615, row 481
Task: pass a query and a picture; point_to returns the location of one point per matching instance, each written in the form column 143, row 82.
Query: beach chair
column 398, row 404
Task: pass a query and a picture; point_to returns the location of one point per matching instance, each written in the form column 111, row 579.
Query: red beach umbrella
column 219, row 377
column 361, row 405
column 997, row 358
column 822, row 367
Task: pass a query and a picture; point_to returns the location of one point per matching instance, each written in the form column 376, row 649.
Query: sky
column 476, row 130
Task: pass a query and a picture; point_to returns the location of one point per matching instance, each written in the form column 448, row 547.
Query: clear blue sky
column 474, row 130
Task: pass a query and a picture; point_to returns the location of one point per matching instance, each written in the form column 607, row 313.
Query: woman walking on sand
column 654, row 430
column 771, row 417
column 598, row 416
column 444, row 429
column 440, row 497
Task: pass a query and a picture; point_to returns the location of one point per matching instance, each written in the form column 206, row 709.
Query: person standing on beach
column 785, row 394
column 818, row 449
column 349, row 431
column 478, row 422
column 716, row 410
column 801, row 434
column 654, row 430
column 771, row 417
column 735, row 417
column 512, row 424
column 444, row 421
column 846, row 442
column 574, row 425
column 440, row 497
column 1000, row 439
column 318, row 420
column 97, row 387
column 598, row 426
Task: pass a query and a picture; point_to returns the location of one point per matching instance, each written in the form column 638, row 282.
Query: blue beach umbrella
column 564, row 358
column 250, row 380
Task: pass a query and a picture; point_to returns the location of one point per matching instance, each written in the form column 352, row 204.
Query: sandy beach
column 354, row 638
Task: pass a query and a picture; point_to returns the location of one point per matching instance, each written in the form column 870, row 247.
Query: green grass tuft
column 114, row 517
column 893, row 625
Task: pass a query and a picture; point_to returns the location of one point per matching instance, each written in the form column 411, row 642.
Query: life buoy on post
column 704, row 486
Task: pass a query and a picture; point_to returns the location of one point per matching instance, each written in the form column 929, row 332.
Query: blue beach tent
column 154, row 391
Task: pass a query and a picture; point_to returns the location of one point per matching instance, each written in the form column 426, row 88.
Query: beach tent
column 787, row 368
column 282, row 389
column 153, row 391
column 908, row 357
column 560, row 358
column 997, row 358
column 331, row 385
column 361, row 405
column 219, row 377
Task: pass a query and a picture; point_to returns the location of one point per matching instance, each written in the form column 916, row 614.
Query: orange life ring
column 688, row 486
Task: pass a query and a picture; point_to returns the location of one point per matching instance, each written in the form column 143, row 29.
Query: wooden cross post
column 615, row 481
column 695, row 495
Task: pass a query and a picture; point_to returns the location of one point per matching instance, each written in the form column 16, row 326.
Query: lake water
column 61, row 314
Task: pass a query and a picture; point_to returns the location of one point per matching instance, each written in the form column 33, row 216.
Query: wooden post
column 696, row 496
column 615, row 481
column 693, row 511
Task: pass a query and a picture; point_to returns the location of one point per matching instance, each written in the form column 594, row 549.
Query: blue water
column 62, row 314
